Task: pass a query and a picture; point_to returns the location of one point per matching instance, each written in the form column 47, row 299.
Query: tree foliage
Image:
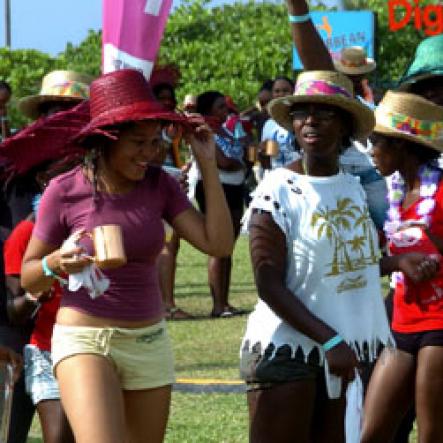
column 231, row 48
column 23, row 69
column 86, row 57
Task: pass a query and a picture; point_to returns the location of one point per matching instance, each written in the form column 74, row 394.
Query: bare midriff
column 72, row 317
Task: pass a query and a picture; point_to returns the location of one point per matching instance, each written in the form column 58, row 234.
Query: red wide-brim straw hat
column 123, row 96
column 47, row 139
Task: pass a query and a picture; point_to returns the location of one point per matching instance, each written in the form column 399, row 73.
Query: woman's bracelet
column 299, row 18
column 48, row 272
column 332, row 343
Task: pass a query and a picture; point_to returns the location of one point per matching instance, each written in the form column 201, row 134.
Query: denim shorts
column 141, row 357
column 39, row 380
column 262, row 370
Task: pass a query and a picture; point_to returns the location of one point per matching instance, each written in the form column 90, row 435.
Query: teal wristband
column 48, row 272
column 332, row 343
column 46, row 269
column 299, row 18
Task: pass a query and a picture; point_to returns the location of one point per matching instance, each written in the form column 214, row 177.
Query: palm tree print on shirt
column 349, row 254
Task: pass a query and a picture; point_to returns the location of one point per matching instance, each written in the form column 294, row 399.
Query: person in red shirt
column 406, row 146
column 24, row 308
column 41, row 384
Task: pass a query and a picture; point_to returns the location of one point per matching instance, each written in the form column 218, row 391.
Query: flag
column 132, row 32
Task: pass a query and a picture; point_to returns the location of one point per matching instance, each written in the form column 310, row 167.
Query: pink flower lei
column 429, row 179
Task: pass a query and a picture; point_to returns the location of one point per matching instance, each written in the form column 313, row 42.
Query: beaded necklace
column 429, row 179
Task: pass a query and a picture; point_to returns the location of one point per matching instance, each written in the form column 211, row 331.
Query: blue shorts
column 39, row 379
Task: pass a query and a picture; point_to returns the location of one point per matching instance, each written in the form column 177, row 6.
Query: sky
column 47, row 25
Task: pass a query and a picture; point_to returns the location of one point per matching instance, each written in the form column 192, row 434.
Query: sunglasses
column 302, row 113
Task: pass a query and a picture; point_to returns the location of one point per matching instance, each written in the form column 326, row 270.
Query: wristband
column 48, row 272
column 332, row 343
column 299, row 18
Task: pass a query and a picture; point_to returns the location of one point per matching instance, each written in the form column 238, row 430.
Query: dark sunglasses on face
column 303, row 112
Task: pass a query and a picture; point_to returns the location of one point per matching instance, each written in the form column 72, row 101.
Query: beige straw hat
column 328, row 87
column 57, row 86
column 410, row 117
column 353, row 61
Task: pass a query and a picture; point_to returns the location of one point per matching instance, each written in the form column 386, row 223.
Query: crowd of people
column 335, row 189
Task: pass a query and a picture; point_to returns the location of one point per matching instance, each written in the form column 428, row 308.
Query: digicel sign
column 429, row 18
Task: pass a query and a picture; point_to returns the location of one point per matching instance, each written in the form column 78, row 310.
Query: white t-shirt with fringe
column 332, row 262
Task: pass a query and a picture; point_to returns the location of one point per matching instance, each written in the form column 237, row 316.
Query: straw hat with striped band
column 410, row 117
column 57, row 86
column 353, row 61
column 324, row 87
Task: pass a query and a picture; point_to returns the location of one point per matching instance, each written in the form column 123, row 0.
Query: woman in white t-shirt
column 316, row 263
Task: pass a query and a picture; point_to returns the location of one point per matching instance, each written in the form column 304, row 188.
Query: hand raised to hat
column 203, row 145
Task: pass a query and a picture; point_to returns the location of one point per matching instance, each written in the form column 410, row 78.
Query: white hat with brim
column 324, row 87
column 353, row 61
column 57, row 86
column 410, row 117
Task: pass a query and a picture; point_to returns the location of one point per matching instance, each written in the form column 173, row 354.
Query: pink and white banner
column 132, row 32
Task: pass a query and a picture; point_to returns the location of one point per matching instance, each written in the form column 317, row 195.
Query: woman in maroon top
column 111, row 354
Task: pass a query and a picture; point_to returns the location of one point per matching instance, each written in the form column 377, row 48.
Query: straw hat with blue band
column 427, row 63
column 57, row 86
column 410, row 117
column 324, row 87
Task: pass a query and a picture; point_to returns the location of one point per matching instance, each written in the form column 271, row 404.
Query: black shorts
column 412, row 342
column 233, row 194
column 260, row 371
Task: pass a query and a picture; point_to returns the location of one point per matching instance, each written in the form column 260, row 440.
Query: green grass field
column 206, row 348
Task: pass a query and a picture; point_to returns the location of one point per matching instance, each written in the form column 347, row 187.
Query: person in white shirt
column 287, row 150
column 316, row 263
